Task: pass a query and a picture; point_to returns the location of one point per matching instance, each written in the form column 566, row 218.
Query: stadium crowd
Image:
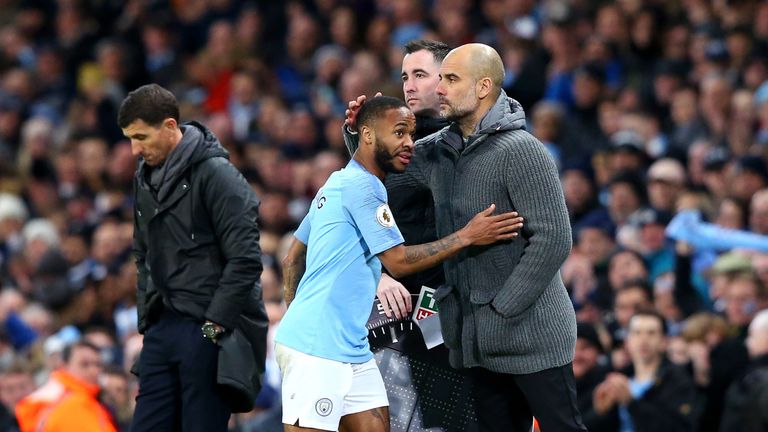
column 655, row 111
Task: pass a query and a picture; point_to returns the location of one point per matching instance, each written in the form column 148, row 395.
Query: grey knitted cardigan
column 504, row 306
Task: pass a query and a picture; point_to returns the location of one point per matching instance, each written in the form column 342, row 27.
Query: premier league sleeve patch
column 384, row 216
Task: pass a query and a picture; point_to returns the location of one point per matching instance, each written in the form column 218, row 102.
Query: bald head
column 483, row 61
column 470, row 84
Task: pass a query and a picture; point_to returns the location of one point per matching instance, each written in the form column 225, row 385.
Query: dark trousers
column 177, row 379
column 506, row 402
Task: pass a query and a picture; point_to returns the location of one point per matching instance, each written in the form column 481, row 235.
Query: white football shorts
column 317, row 392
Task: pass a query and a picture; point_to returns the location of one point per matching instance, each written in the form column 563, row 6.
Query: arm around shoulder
column 483, row 229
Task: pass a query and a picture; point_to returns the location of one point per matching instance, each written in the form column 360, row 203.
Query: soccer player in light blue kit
column 330, row 379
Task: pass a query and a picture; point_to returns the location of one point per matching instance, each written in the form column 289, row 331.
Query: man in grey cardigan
column 504, row 311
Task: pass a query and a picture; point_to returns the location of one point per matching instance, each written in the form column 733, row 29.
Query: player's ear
column 367, row 134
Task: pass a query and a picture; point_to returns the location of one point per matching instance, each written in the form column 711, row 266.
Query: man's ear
column 367, row 134
column 170, row 123
column 484, row 87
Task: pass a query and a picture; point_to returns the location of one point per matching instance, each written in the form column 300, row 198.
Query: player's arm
column 294, row 265
column 485, row 228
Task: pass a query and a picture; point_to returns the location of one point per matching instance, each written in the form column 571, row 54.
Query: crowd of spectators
column 651, row 108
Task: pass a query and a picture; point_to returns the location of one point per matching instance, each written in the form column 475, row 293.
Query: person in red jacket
column 69, row 400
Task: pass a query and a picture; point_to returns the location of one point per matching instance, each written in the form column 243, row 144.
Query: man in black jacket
column 588, row 370
column 652, row 395
column 196, row 244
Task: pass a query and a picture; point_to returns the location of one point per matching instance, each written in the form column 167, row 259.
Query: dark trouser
column 508, row 402
column 177, row 379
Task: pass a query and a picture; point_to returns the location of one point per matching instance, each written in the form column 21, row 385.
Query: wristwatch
column 211, row 330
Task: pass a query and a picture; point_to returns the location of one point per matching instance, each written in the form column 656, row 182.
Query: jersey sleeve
column 302, row 232
column 366, row 203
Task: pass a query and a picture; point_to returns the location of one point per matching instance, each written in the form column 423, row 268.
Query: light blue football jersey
column 348, row 224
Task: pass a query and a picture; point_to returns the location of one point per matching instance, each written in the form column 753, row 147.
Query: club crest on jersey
column 384, row 216
column 324, row 407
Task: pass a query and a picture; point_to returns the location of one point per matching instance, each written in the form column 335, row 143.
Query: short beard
column 454, row 115
column 457, row 113
column 384, row 159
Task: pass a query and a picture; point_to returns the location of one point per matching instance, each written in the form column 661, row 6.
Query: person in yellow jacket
column 69, row 400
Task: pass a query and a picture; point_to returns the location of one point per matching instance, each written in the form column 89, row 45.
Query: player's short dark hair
column 150, row 103
column 438, row 49
column 375, row 108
